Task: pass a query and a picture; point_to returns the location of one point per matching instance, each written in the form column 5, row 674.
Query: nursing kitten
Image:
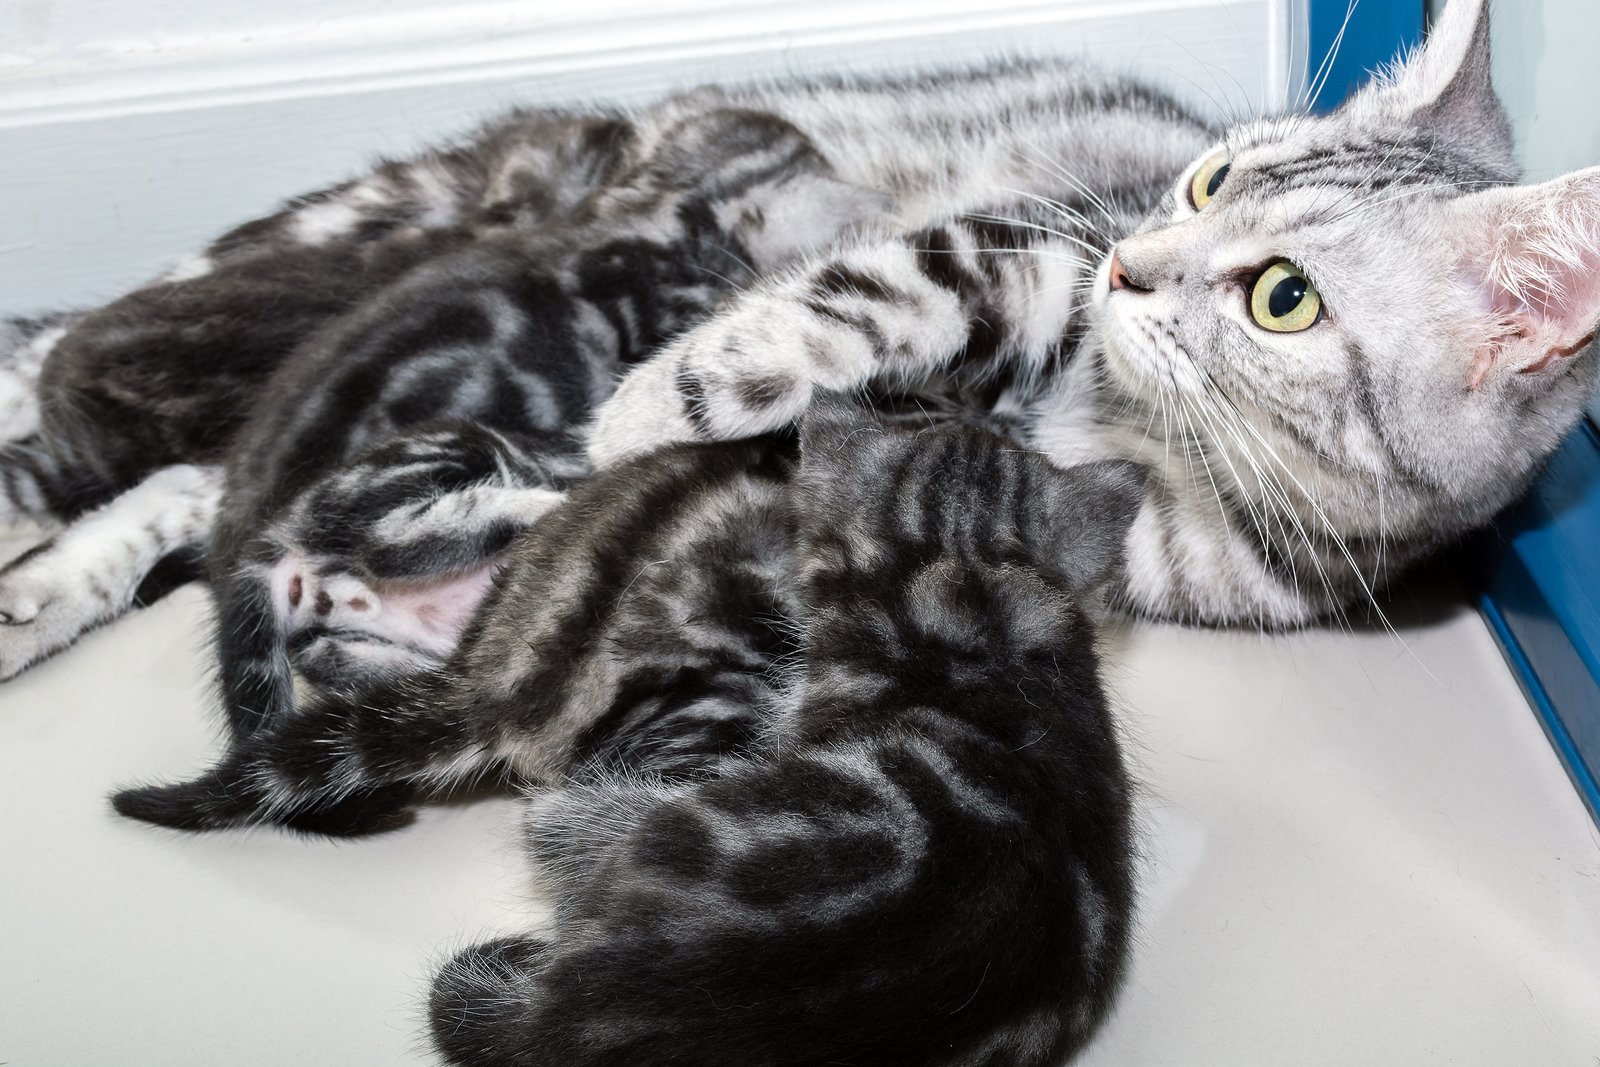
column 399, row 401
column 909, row 845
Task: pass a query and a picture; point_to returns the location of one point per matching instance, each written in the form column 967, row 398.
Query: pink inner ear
column 1540, row 271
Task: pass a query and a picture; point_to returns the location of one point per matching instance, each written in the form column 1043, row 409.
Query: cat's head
column 1363, row 303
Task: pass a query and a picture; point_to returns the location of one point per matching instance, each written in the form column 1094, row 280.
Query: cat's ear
column 1087, row 514
column 1445, row 86
column 1533, row 254
column 783, row 220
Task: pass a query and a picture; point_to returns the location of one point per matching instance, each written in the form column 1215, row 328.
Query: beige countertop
column 1359, row 847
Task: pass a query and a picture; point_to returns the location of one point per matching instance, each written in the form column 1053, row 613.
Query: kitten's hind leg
column 24, row 344
column 347, row 764
column 92, row 571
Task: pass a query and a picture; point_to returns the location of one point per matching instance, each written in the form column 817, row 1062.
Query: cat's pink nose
column 1119, row 274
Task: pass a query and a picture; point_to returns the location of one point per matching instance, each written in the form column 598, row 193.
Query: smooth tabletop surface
column 1359, row 849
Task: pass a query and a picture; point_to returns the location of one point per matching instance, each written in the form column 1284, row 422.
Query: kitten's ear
column 1089, row 509
column 783, row 220
column 1533, row 253
column 1445, row 86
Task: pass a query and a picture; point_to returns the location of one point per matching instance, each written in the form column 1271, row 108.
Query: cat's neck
column 1240, row 523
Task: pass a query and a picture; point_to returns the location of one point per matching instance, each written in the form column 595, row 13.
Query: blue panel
column 1374, row 32
column 1539, row 571
column 1578, row 768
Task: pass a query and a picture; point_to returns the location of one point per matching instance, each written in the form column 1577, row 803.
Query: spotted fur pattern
column 827, row 772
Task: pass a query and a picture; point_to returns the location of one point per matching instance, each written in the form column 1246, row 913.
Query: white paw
column 645, row 413
column 88, row 572
column 20, row 601
column 41, row 613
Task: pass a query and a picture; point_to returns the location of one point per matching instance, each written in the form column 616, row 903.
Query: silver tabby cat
column 1340, row 341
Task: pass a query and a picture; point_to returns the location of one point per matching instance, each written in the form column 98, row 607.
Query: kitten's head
column 1363, row 303
column 872, row 491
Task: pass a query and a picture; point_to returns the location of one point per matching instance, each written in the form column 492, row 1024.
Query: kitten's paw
column 390, row 623
column 39, row 615
column 647, row 412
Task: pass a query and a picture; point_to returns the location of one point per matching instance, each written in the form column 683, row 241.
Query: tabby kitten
column 910, row 846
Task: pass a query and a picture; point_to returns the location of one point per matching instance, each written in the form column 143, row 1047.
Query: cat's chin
column 1126, row 365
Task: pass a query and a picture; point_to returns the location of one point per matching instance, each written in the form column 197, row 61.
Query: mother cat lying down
column 1338, row 341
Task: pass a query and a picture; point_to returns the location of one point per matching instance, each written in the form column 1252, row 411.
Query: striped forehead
column 1275, row 158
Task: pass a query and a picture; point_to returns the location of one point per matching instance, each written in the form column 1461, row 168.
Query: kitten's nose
column 1119, row 276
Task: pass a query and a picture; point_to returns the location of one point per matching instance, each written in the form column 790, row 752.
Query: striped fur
column 389, row 371
column 1296, row 474
column 606, row 230
column 826, row 772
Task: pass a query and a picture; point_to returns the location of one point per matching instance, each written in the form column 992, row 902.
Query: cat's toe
column 18, row 611
column 481, row 999
column 30, row 631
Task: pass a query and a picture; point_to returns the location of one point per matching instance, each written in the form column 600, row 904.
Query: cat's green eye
column 1284, row 300
column 1208, row 179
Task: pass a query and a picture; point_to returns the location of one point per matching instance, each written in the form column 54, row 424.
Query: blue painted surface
column 1375, row 32
column 1539, row 573
column 1579, row 770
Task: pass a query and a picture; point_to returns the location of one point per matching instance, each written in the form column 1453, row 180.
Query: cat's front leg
column 886, row 309
column 90, row 572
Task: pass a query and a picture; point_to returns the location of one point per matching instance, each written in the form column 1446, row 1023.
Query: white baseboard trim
column 520, row 41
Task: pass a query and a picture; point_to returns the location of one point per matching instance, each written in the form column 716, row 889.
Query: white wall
column 1547, row 70
column 134, row 130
